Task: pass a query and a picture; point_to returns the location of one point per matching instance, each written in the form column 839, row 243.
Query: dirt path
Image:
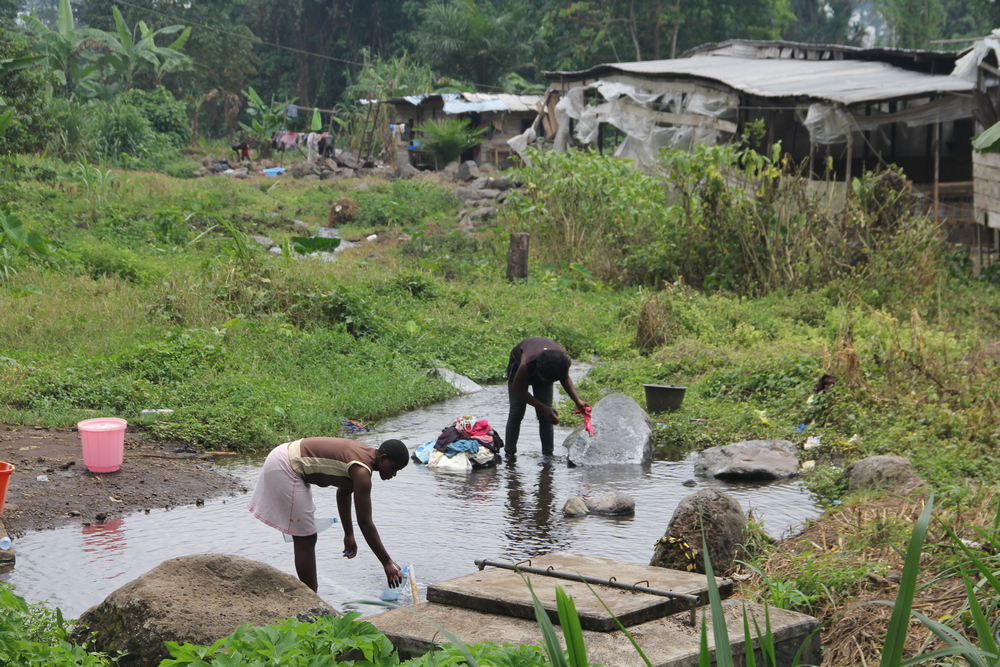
column 152, row 476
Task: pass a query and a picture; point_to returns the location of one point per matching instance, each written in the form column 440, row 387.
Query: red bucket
column 5, row 470
column 103, row 442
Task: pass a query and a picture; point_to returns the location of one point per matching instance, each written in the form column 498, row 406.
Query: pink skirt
column 281, row 499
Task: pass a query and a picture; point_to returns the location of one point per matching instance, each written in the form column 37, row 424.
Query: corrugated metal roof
column 892, row 55
column 844, row 81
column 455, row 103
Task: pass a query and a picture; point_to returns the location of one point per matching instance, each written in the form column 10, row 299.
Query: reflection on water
column 104, row 544
column 438, row 522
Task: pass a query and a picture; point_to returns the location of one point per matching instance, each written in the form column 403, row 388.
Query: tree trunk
column 677, row 27
column 632, row 29
column 656, row 34
column 517, row 256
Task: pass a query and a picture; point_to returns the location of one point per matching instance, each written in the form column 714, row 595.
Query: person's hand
column 393, row 574
column 350, row 547
column 550, row 414
column 581, row 407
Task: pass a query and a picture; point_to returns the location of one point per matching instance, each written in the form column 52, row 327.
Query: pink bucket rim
column 102, row 424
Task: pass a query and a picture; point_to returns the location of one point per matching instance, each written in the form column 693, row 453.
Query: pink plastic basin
column 103, row 441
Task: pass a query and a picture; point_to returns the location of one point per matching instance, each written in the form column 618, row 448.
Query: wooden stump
column 517, row 256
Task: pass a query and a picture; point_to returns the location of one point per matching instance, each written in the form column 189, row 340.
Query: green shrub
column 166, row 115
column 584, row 207
column 23, row 92
column 38, row 635
column 447, row 138
column 105, row 260
column 70, row 140
column 119, row 130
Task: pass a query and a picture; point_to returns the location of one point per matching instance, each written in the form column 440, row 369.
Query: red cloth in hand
column 587, row 424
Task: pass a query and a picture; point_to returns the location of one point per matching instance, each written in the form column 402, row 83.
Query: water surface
column 439, row 523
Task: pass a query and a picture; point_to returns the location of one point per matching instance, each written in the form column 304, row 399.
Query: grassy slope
column 148, row 304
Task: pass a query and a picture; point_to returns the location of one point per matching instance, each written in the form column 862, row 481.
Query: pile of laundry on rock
column 467, row 444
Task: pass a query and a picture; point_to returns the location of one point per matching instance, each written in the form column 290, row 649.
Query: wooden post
column 937, row 167
column 517, row 256
column 847, row 169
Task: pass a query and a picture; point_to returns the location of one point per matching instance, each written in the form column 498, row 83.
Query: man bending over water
column 283, row 499
column 538, row 363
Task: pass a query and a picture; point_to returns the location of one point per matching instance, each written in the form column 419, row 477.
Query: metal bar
column 572, row 576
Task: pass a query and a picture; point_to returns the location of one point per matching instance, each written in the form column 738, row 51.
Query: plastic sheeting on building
column 828, row 96
column 637, row 113
column 458, row 103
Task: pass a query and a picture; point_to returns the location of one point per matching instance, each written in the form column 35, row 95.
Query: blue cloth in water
column 471, row 446
column 352, row 426
column 423, row 452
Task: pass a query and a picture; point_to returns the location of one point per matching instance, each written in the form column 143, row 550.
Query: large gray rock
column 450, row 170
column 194, row 599
column 467, row 171
column 611, row 503
column 501, row 183
column 889, row 473
column 303, row 169
column 623, row 433
column 724, row 523
column 466, row 194
column 485, row 213
column 349, row 160
column 406, row 171
column 750, row 460
column 575, row 506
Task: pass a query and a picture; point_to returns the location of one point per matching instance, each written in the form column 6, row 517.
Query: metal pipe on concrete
column 572, row 576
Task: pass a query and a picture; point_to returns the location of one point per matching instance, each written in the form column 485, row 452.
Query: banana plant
column 130, row 53
column 265, row 120
column 64, row 49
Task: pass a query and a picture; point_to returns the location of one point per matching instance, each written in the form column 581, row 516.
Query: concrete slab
column 503, row 592
column 667, row 642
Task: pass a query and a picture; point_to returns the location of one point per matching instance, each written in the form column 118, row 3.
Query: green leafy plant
column 38, row 635
column 447, row 138
column 290, row 643
column 119, row 131
column 130, row 53
column 265, row 120
column 65, row 50
column 17, row 241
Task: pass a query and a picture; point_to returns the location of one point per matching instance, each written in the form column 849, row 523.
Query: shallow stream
column 437, row 522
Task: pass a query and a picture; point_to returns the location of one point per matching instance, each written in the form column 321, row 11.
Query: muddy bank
column 153, row 476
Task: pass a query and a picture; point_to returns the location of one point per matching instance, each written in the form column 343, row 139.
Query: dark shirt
column 526, row 352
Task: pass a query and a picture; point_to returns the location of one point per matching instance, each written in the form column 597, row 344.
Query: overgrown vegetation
column 129, row 290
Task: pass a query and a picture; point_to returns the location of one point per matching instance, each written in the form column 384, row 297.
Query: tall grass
column 720, row 217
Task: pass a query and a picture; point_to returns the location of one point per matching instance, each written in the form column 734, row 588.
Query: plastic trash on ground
column 812, row 442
